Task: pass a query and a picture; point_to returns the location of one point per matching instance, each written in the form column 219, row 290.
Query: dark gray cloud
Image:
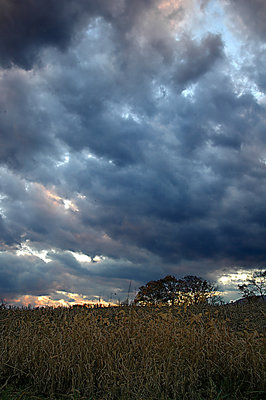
column 26, row 275
column 6, row 237
column 247, row 20
column 26, row 121
column 93, row 97
column 28, row 27
column 250, row 14
column 128, row 142
column 197, row 59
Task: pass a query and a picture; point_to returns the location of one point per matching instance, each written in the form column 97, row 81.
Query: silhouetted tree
column 196, row 289
column 153, row 292
column 254, row 286
column 169, row 290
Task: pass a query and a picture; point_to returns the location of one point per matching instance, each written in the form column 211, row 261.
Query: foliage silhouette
column 169, row 290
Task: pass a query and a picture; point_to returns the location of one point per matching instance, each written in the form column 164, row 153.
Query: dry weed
column 136, row 353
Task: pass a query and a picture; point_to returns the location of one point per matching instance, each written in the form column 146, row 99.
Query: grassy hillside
column 150, row 353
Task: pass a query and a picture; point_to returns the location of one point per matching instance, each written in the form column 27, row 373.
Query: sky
column 132, row 146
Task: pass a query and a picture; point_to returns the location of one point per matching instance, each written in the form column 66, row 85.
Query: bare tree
column 254, row 286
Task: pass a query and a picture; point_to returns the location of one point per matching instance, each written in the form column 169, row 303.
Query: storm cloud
column 132, row 144
column 250, row 15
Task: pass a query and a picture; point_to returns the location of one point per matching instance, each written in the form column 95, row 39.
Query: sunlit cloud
column 234, row 278
column 60, row 201
column 67, row 300
column 83, row 258
column 25, row 249
column 169, row 6
column 65, row 160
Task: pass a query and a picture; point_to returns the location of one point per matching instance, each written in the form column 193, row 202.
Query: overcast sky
column 132, row 145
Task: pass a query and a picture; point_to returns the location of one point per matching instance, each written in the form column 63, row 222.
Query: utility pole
column 129, row 287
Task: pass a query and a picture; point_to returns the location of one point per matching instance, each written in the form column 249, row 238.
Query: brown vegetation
column 198, row 352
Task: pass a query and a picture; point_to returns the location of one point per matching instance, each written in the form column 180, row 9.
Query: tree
column 196, row 290
column 171, row 289
column 190, row 290
column 254, row 286
column 155, row 292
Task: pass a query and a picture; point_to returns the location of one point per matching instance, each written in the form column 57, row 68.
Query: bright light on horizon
column 59, row 299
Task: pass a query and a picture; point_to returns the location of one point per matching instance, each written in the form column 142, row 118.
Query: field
column 133, row 353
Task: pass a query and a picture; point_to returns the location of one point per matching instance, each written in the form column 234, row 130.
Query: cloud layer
column 133, row 133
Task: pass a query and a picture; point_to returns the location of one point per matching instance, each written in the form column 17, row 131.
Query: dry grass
column 135, row 353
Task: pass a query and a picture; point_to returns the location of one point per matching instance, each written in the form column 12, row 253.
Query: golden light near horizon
column 67, row 299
